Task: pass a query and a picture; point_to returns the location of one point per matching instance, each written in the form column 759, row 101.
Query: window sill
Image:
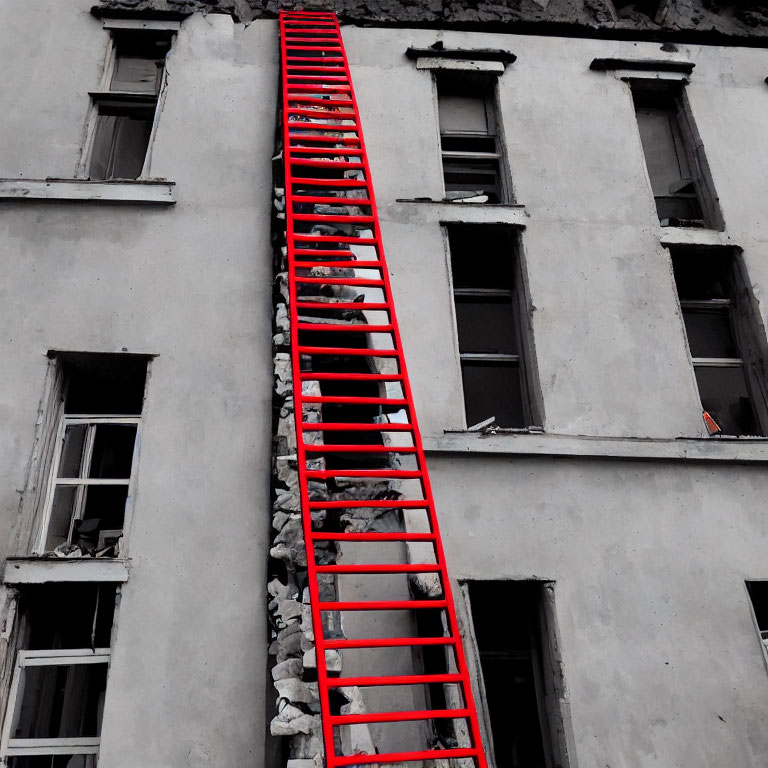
column 695, row 236
column 149, row 191
column 729, row 449
column 446, row 212
column 41, row 569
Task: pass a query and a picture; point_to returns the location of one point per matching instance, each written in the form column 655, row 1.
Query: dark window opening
column 126, row 111
column 675, row 172
column 758, row 594
column 61, row 674
column 104, row 383
column 706, row 288
column 519, row 675
column 488, row 317
column 469, row 138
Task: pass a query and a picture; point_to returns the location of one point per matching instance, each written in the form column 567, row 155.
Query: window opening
column 469, row 139
column 126, row 111
column 487, row 302
column 59, row 682
column 705, row 287
column 520, row 677
column 681, row 192
column 95, row 455
column 758, row 594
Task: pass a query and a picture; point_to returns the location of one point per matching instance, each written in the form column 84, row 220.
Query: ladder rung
column 351, row 376
column 325, row 474
column 294, row 126
column 363, row 281
column 356, row 201
column 334, row 448
column 342, row 305
column 295, row 67
column 373, row 536
column 401, row 757
column 352, row 263
column 299, row 88
column 326, row 151
column 294, row 39
column 380, row 568
column 351, row 682
column 327, row 426
column 382, row 605
column 301, row 237
column 376, row 504
column 351, row 400
column 300, row 253
column 334, row 217
column 322, row 102
column 359, row 328
column 387, row 642
column 318, row 113
column 326, row 163
column 346, row 351
column 398, row 717
column 340, row 183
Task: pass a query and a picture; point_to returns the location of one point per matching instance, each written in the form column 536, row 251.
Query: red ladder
column 330, row 211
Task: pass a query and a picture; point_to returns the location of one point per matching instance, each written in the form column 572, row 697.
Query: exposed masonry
column 706, row 18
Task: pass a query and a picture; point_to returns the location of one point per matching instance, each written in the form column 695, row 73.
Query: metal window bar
column 299, row 173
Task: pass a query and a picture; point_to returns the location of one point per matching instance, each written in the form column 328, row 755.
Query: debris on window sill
column 122, row 191
column 460, row 201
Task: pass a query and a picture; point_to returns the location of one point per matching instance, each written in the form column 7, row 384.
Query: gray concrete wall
column 191, row 284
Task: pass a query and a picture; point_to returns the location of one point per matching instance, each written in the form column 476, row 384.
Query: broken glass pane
column 61, row 701
column 62, row 510
column 710, row 333
column 663, row 147
column 472, row 177
column 493, row 389
column 702, row 276
column 486, row 324
column 104, row 510
column 725, row 397
column 113, row 451
column 72, row 451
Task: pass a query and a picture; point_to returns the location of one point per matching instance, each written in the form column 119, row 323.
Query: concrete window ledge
column 40, row 570
column 150, row 191
column 742, row 450
column 442, row 212
column 695, row 236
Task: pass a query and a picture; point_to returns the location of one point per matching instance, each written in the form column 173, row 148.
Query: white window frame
column 54, row 481
column 83, row 167
column 85, row 745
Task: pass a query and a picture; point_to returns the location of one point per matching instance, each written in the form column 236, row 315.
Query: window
column 716, row 329
column 521, row 676
column 125, row 111
column 469, row 139
column 487, row 298
column 758, row 594
column 674, row 156
column 54, row 712
column 95, row 458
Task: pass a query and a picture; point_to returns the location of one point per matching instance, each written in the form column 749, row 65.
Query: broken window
column 469, row 139
column 487, row 298
column 758, row 594
column 96, row 446
column 521, row 677
column 674, row 156
column 706, row 283
column 57, row 693
column 125, row 112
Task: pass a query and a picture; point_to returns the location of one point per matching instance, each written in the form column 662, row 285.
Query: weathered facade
column 613, row 510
